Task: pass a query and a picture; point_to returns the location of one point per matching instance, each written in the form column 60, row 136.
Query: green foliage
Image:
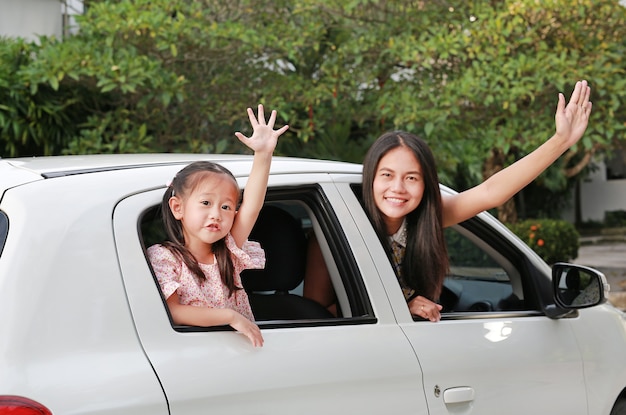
column 31, row 123
column 553, row 240
column 177, row 75
column 615, row 218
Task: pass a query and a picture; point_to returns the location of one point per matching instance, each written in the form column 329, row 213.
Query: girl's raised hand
column 571, row 120
column 264, row 137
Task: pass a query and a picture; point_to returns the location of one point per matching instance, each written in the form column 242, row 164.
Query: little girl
column 198, row 268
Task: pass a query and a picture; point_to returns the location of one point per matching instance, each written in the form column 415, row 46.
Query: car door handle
column 458, row 395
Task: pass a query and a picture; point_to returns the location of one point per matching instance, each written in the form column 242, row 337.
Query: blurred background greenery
column 478, row 80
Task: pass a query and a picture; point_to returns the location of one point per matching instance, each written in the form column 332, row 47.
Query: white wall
column 29, row 18
column 599, row 195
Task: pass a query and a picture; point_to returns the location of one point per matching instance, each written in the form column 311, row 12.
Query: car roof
column 54, row 166
column 16, row 171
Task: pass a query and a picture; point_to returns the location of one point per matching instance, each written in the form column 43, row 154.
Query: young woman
column 402, row 198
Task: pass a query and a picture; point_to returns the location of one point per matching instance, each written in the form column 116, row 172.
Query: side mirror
column 576, row 286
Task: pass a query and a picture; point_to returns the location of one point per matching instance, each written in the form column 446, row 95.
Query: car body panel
column 364, row 368
column 11, row 176
column 535, row 356
column 74, row 332
column 84, row 328
column 512, row 363
column 600, row 335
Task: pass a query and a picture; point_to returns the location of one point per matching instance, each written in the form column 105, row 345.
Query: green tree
column 478, row 79
column 516, row 57
column 31, row 123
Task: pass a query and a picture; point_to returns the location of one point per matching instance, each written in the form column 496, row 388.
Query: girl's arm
column 263, row 142
column 190, row 315
column 571, row 122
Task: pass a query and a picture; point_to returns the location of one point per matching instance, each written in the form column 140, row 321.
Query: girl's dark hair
column 184, row 183
column 425, row 262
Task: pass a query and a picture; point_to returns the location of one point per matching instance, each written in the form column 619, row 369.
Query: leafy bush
column 32, row 123
column 553, row 240
column 615, row 218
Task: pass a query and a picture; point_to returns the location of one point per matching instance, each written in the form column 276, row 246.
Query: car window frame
column 514, row 271
column 315, row 200
column 533, row 282
column 332, row 231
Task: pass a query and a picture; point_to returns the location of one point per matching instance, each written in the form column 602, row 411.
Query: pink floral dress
column 174, row 276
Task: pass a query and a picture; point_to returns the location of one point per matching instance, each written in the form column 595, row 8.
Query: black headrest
column 283, row 240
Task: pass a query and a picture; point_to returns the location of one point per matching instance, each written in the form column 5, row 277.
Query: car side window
column 287, row 223
column 275, row 292
column 480, row 278
column 483, row 276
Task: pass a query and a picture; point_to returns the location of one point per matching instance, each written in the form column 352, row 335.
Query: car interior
column 284, row 227
column 271, row 290
column 480, row 279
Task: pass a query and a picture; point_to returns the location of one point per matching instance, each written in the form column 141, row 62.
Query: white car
column 84, row 328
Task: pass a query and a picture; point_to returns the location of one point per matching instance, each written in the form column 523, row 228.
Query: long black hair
column 425, row 262
column 184, row 183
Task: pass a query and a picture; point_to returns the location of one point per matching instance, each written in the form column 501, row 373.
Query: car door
column 362, row 364
column 488, row 357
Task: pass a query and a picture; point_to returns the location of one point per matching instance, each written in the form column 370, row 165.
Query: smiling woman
column 398, row 187
column 402, row 198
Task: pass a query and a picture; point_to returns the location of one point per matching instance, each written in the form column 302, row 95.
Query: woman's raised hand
column 571, row 120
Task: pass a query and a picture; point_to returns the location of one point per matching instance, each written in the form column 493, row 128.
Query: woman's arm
column 263, row 141
column 571, row 122
column 318, row 285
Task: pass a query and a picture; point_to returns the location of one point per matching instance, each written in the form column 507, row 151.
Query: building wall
column 30, row 18
column 599, row 195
